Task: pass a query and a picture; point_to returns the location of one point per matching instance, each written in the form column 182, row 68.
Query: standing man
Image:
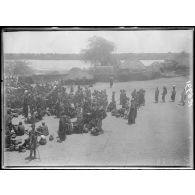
column 164, row 93
column 62, row 128
column 132, row 112
column 111, row 81
column 183, row 97
column 173, row 94
column 25, row 106
column 33, row 141
column 121, row 96
column 100, row 116
column 156, row 95
column 113, row 96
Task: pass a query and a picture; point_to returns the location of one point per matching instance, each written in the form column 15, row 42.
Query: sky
column 75, row 41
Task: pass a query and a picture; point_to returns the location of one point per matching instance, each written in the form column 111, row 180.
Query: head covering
column 42, row 137
column 12, row 131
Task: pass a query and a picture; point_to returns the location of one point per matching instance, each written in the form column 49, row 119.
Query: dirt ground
column 162, row 135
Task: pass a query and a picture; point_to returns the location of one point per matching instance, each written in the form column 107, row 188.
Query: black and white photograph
column 97, row 98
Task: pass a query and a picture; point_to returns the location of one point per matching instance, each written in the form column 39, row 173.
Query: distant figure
column 25, row 107
column 164, row 93
column 132, row 112
column 111, row 82
column 173, row 94
column 156, row 95
column 134, row 94
column 183, row 97
column 113, row 96
column 121, row 96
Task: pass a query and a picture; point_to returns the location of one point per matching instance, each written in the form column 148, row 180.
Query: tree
column 99, row 52
column 18, row 68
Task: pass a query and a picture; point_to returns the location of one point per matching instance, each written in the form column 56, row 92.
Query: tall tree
column 99, row 52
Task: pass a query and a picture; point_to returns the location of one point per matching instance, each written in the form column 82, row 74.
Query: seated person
column 21, row 129
column 111, row 106
column 45, row 129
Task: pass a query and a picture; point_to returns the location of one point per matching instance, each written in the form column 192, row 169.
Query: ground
column 162, row 135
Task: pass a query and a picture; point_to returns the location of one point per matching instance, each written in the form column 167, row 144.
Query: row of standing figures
column 173, row 95
column 138, row 100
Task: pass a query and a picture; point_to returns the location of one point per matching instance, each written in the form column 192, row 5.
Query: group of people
column 13, row 133
column 172, row 96
column 79, row 109
column 129, row 106
column 89, row 109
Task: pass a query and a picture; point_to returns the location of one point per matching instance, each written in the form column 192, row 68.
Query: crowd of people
column 129, row 105
column 79, row 109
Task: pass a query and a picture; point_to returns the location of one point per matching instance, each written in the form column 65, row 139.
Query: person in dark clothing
column 173, row 94
column 164, row 93
column 21, row 129
column 134, row 94
column 62, row 128
column 39, row 114
column 25, row 107
column 113, row 96
column 121, row 96
column 57, row 109
column 156, row 95
column 132, row 112
column 8, row 122
column 45, row 130
column 124, row 99
column 111, row 82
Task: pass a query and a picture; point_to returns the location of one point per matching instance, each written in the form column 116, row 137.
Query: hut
column 132, row 65
column 42, row 78
column 132, row 70
column 79, row 77
column 103, row 73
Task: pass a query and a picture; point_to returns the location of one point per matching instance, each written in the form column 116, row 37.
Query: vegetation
column 18, row 68
column 119, row 56
column 99, row 52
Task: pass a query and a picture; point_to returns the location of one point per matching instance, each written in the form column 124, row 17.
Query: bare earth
column 162, row 135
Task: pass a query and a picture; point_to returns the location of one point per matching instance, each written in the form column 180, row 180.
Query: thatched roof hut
column 108, row 70
column 132, row 65
column 79, row 75
column 102, row 73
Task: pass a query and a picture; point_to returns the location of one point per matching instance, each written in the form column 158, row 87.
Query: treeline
column 41, row 56
column 120, row 56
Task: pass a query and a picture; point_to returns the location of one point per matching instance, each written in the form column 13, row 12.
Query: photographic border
column 86, row 28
